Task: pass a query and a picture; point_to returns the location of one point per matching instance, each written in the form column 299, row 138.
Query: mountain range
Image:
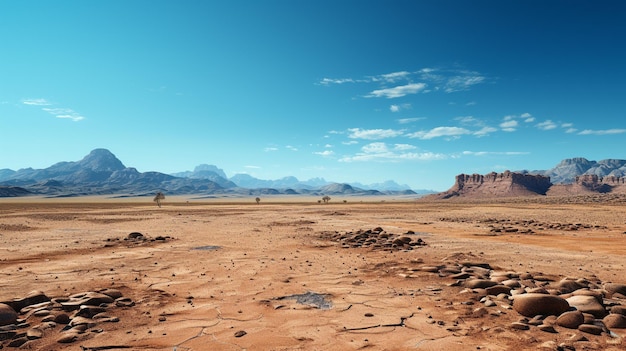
column 101, row 172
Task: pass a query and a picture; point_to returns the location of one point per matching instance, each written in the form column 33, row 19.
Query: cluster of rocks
column 545, row 302
column 375, row 239
column 32, row 317
column 136, row 238
column 526, row 226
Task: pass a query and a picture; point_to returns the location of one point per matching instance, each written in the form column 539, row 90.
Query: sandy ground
column 227, row 274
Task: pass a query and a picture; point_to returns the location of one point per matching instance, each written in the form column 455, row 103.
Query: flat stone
column 546, row 328
column 67, row 337
column 590, row 328
column 519, row 326
column 479, row 283
column 587, row 304
column 34, row 333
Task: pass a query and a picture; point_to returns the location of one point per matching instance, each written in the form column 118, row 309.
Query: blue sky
column 414, row 91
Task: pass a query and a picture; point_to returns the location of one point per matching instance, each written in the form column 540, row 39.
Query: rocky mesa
column 511, row 184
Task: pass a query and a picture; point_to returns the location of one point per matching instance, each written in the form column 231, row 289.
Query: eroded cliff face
column 511, row 184
column 499, row 184
column 595, row 183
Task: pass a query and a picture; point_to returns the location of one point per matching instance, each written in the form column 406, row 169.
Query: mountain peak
column 101, row 160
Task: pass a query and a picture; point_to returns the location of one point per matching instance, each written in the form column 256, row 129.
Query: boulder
column 588, row 304
column 613, row 288
column 7, row 315
column 615, row 321
column 479, row 283
column 530, row 305
column 570, row 319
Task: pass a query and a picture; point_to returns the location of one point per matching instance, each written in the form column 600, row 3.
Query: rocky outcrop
column 589, row 184
column 498, row 184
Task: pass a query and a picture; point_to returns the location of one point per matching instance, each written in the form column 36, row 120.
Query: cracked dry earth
column 300, row 276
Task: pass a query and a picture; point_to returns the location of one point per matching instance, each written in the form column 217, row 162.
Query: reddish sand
column 225, row 268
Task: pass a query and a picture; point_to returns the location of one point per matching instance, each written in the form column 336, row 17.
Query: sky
column 347, row 90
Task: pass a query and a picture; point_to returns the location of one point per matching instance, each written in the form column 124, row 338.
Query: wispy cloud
column 404, row 147
column 602, row 132
column 382, row 152
column 446, row 80
column 390, row 77
column 486, row 153
column 448, row 132
column 547, row 125
column 484, row 131
column 291, row 147
column 399, row 107
column 63, row 113
column 462, row 82
column 36, row 102
column 66, row 113
column 325, row 153
column 398, row 91
column 410, row 120
column 329, row 81
column 373, row 134
column 270, row 149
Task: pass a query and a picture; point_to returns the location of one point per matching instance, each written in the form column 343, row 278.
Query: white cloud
column 74, row 118
column 399, row 91
column 509, row 125
column 349, row 142
column 547, row 125
column 602, row 132
column 292, row 148
column 64, row 113
column 36, row 102
column 462, row 82
column 484, row 131
column 328, row 146
column 328, row 81
column 410, row 120
column 467, row 120
column 485, row 153
column 394, row 108
column 453, row 132
column 373, row 134
column 252, row 167
column 375, row 148
column 527, row 117
column 270, row 149
column 391, row 77
column 471, row 103
column 403, row 147
column 325, row 153
column 380, row 151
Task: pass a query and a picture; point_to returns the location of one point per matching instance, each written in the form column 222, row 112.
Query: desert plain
column 296, row 274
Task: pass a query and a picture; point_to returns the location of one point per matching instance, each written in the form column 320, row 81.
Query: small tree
column 258, row 200
column 158, row 197
column 326, row 199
